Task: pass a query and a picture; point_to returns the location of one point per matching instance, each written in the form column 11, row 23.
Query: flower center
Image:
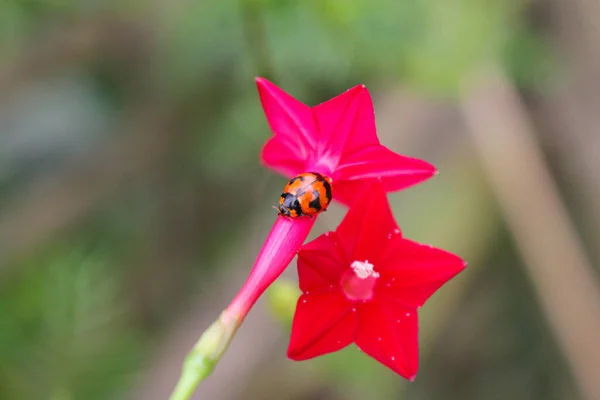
column 364, row 269
column 359, row 281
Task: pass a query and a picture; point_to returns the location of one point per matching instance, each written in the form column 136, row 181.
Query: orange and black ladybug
column 307, row 194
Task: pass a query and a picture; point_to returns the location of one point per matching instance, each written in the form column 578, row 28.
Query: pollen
column 364, row 269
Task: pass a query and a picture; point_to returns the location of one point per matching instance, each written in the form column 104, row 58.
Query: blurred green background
column 133, row 201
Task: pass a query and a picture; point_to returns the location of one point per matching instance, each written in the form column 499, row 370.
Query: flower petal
column 365, row 232
column 290, row 120
column 324, row 322
column 378, row 162
column 389, row 334
column 346, row 123
column 411, row 272
column 321, row 263
column 279, row 155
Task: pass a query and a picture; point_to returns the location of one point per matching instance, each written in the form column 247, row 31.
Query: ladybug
column 307, row 194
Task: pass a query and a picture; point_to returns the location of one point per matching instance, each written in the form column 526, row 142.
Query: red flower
column 349, row 300
column 363, row 284
column 337, row 139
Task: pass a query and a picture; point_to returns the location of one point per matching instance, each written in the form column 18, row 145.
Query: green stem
column 186, row 386
column 284, row 240
column 204, row 356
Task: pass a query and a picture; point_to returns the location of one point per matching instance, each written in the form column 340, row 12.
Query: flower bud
column 282, row 297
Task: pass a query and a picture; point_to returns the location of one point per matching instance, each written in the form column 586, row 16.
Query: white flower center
column 364, row 269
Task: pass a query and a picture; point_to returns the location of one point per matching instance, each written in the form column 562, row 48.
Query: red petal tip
column 297, row 355
column 359, row 87
column 292, row 356
column 432, row 169
column 264, row 83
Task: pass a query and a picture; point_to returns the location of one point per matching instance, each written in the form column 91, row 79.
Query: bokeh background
column 133, row 201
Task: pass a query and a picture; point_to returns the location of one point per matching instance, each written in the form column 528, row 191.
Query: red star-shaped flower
column 363, row 284
column 336, row 138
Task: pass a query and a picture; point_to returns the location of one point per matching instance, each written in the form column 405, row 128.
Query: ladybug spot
column 315, row 202
column 297, row 178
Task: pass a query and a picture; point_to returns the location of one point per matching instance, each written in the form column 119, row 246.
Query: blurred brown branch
column 569, row 112
column 561, row 273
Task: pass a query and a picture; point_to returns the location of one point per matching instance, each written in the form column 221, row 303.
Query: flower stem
column 186, row 386
column 284, row 240
column 205, row 355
